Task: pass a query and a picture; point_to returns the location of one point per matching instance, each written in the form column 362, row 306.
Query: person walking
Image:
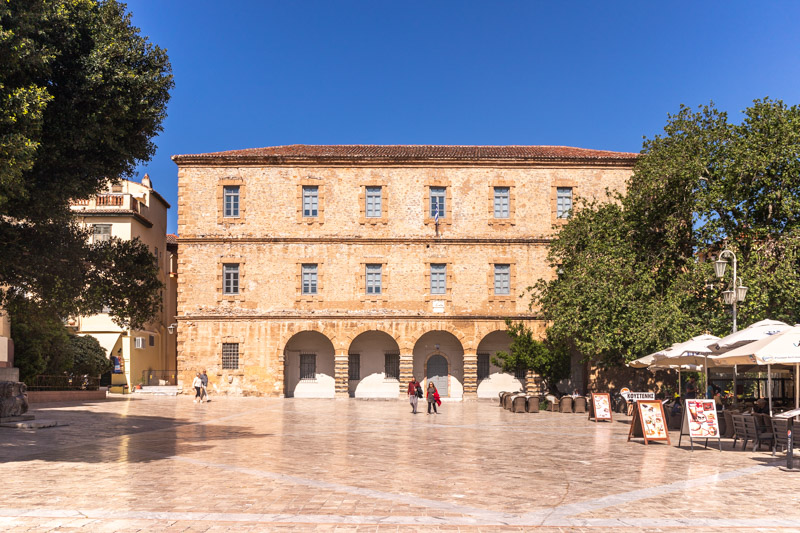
column 197, row 383
column 433, row 398
column 414, row 393
column 204, row 379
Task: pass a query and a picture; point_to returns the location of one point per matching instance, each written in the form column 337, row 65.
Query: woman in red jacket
column 433, row 398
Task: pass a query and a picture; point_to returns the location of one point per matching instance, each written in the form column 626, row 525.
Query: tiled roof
column 371, row 152
column 172, row 238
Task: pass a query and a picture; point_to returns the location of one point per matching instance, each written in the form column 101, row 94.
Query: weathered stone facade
column 277, row 327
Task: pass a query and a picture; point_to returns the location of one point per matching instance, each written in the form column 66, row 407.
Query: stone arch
column 495, row 380
column 466, row 342
column 309, row 365
column 447, row 344
column 377, row 355
column 347, row 338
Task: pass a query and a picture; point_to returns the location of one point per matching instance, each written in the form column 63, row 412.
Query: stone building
column 335, row 271
column 127, row 210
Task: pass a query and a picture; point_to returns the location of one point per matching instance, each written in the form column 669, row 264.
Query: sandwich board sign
column 601, row 406
column 700, row 421
column 649, row 422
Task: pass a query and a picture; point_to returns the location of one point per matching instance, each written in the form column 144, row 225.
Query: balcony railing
column 112, row 201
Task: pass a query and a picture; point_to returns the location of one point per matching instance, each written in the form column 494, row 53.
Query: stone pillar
column 406, row 372
column 534, row 384
column 470, row 375
column 341, row 373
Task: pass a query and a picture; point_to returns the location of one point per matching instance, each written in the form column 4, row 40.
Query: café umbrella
column 782, row 348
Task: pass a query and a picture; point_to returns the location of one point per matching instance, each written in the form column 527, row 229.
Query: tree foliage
column 82, row 94
column 526, row 353
column 635, row 272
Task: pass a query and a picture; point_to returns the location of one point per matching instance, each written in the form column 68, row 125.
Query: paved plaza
column 253, row 464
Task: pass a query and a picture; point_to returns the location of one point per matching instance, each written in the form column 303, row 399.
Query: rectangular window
column 230, row 278
column 152, row 340
column 437, row 202
column 520, row 373
column 392, row 366
column 374, row 279
column 230, row 355
column 231, row 201
column 310, row 279
column 563, row 202
column 310, row 200
column 354, row 367
column 501, row 197
column 138, row 343
column 483, row 366
column 308, row 366
column 438, row 278
column 374, row 208
column 101, row 232
column 502, row 276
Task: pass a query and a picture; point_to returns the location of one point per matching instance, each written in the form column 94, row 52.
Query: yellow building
column 325, row 271
column 128, row 210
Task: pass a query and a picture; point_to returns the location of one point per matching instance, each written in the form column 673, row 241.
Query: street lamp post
column 730, row 297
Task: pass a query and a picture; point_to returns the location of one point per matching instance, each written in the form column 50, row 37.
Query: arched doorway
column 444, row 351
column 438, row 372
column 373, row 366
column 491, row 379
column 309, row 366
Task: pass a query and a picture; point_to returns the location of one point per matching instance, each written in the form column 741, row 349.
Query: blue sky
column 589, row 74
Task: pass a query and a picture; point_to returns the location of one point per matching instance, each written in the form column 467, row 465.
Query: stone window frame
column 449, row 279
column 231, row 339
column 446, row 220
column 558, row 183
column 221, row 262
column 309, row 298
column 319, row 183
column 362, row 202
column 512, row 203
column 362, row 280
column 512, row 280
column 231, row 182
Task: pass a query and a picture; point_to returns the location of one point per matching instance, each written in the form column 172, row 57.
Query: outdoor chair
column 502, row 396
column 507, row 399
column 532, row 403
column 749, row 432
column 566, row 404
column 779, row 437
column 579, row 405
column 518, row 405
column 727, row 433
column 552, row 401
column 764, row 422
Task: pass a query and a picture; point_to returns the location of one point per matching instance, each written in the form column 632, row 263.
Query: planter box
column 65, row 396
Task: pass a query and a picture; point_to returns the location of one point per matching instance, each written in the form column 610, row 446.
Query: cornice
column 360, row 317
column 358, row 240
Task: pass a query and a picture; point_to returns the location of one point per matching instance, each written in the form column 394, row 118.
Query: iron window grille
column 563, row 202
column 520, row 373
column 438, row 201
column 438, row 278
column 501, row 197
column 483, row 366
column 309, row 276
column 230, row 355
column 354, row 367
column 230, row 275
column 231, row 201
column 502, row 275
column 392, row 366
column 373, row 207
column 101, row 232
column 374, row 279
column 310, row 200
column 308, row 366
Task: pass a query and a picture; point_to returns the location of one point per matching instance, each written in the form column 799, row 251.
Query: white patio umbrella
column 781, row 348
column 752, row 333
column 692, row 352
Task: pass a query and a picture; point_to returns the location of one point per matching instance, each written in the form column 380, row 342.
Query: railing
column 118, row 201
column 42, row 383
column 159, row 377
column 109, row 199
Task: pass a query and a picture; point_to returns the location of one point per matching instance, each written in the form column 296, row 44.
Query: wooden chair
column 728, row 432
column 739, row 431
column 565, row 405
column 750, row 432
column 532, row 403
column 579, row 404
column 779, row 437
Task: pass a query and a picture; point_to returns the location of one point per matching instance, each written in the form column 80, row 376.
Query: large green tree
column 634, row 270
column 82, row 94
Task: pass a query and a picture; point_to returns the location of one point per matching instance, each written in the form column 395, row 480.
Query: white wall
column 324, row 384
column 372, row 347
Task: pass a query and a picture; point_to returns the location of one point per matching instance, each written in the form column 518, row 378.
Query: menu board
column 601, row 406
column 649, row 422
column 702, row 418
column 700, row 422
